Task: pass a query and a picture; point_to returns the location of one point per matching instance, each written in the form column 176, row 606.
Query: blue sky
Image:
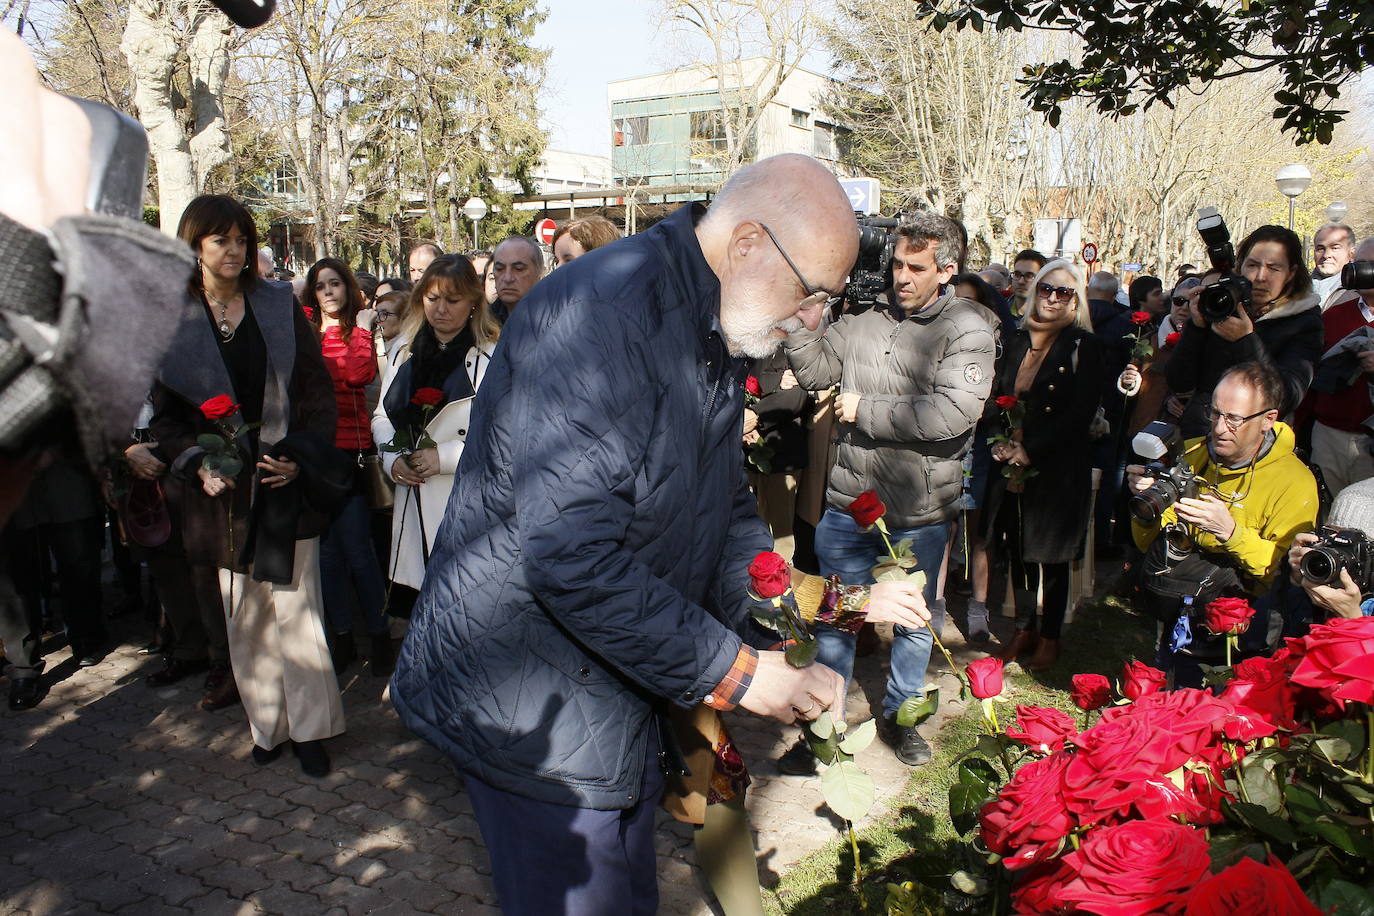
column 593, row 43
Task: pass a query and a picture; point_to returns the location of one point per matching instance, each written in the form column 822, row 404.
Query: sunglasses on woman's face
column 1060, row 294
column 1179, row 301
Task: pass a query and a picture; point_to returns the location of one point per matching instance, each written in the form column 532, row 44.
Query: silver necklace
column 226, row 330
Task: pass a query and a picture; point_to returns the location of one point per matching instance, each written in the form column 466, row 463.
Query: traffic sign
column 544, row 230
column 862, row 194
column 1090, row 253
column 1132, row 267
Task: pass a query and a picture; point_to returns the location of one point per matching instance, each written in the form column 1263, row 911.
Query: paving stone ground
column 120, row 798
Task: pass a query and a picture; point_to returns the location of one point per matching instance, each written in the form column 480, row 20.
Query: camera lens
column 1320, row 566
column 1149, row 506
column 1358, row 275
column 1215, row 304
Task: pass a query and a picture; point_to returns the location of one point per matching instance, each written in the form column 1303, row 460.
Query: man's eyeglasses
column 383, row 314
column 815, row 295
column 1232, row 421
column 1060, row 294
column 1023, row 274
column 1179, row 301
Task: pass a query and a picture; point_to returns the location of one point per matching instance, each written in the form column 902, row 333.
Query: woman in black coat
column 1038, row 504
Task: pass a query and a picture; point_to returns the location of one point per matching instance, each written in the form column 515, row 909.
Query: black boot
column 174, row 669
column 383, row 655
column 313, row 757
column 343, row 651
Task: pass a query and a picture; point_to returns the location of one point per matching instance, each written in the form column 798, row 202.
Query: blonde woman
column 1038, row 513
column 426, row 398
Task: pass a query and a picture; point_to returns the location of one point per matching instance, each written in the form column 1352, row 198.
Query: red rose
column 1027, row 820
column 751, row 385
column 1007, row 402
column 1091, row 691
column 427, row 397
column 1122, row 762
column 1140, row 317
column 1038, row 891
column 1139, row 868
column 1228, row 616
column 219, row 407
column 1251, row 888
column 1042, row 729
column 866, row 509
column 1171, row 339
column 1338, row 660
column 770, row 575
column 1263, row 699
column 1140, row 680
column 985, row 677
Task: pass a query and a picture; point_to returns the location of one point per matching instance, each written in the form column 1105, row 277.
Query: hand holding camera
column 1323, row 567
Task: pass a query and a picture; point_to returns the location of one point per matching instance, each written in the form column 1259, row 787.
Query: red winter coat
column 352, row 365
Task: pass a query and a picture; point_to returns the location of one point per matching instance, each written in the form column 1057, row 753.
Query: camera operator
column 1337, row 591
column 1279, row 322
column 1245, row 496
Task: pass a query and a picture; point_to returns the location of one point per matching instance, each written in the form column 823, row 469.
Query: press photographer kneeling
column 1220, row 520
column 1336, row 565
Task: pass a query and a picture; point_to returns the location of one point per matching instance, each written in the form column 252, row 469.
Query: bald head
column 782, row 208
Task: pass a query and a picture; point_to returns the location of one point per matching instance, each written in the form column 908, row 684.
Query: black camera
column 1231, row 293
column 1161, row 444
column 871, row 274
column 1358, row 275
column 1338, row 549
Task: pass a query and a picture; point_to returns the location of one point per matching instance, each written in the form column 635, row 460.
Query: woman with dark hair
column 426, row 399
column 346, row 554
column 244, row 365
column 1281, row 323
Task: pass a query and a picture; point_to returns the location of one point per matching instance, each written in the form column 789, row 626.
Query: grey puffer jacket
column 923, row 380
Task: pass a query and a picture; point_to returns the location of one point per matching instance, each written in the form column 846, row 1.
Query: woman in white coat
column 426, row 400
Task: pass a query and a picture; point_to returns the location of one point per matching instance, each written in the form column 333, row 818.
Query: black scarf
column 430, row 367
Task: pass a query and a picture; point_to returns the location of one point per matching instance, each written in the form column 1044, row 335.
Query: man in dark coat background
column 591, row 567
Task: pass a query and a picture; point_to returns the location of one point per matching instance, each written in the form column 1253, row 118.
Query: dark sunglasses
column 1058, row 294
column 1179, row 300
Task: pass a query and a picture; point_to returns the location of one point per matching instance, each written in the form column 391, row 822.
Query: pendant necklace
column 226, row 330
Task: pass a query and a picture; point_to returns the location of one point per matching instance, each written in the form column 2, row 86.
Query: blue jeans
column 849, row 553
column 346, row 555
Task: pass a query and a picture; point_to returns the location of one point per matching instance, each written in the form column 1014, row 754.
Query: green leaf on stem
column 822, row 739
column 848, row 790
column 211, row 462
column 1303, row 806
column 970, row 885
column 915, row 710
column 802, row 653
column 1345, row 898
column 860, row 738
column 230, row 466
column 210, row 442
column 1266, row 823
column 1261, row 787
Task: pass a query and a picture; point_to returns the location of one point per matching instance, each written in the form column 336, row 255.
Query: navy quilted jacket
column 592, row 560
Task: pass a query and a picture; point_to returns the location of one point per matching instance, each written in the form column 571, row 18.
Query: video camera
column 1358, row 275
column 1231, row 293
column 1159, row 443
column 1338, row 549
column 871, row 274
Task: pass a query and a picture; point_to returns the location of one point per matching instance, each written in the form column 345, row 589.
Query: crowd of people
column 299, row 470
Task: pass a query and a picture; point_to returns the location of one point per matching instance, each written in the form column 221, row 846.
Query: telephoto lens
column 1358, row 275
column 1223, row 298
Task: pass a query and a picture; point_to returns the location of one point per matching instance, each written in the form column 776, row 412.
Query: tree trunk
column 208, row 52
column 150, row 46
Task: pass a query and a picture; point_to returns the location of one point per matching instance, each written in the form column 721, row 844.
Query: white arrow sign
column 862, row 194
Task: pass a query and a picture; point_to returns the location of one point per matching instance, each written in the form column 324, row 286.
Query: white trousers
column 279, row 655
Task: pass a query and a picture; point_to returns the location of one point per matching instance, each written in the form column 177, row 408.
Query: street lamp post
column 1292, row 180
column 1336, row 211
column 475, row 209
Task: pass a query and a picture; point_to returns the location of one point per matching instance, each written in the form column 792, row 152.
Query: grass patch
column 916, row 836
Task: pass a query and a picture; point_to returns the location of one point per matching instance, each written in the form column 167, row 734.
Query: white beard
column 753, row 336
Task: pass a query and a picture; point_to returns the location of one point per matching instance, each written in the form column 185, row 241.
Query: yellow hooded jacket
column 1274, row 500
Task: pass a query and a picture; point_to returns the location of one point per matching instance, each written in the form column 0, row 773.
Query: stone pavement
column 125, row 799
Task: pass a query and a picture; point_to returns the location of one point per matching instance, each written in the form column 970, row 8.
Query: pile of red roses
column 1107, row 820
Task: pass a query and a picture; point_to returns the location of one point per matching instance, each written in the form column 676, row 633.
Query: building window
column 284, row 182
column 823, row 141
column 631, row 131
column 800, row 118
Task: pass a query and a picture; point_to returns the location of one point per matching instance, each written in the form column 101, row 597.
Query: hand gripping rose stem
column 949, row 659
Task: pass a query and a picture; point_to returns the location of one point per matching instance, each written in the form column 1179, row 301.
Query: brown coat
column 298, row 401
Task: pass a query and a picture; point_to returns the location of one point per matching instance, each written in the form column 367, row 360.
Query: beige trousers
column 279, row 655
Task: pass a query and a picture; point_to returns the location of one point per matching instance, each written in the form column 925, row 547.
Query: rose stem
column 858, row 867
column 949, row 659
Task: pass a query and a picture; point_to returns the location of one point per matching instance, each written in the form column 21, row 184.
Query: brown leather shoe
column 224, row 691
column 1022, row 644
column 1045, row 656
